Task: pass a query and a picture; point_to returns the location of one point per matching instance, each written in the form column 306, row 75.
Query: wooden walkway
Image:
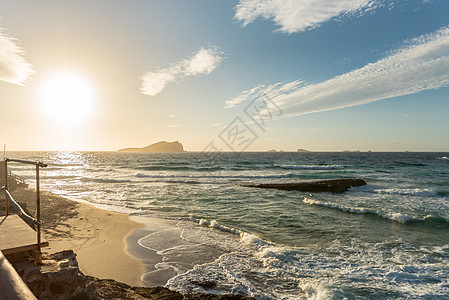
column 16, row 236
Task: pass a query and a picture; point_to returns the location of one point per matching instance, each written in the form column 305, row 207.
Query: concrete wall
column 12, row 286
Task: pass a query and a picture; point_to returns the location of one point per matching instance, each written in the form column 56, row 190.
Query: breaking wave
column 311, row 167
column 429, row 220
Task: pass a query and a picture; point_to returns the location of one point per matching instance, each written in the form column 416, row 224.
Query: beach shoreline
column 109, row 258
column 97, row 236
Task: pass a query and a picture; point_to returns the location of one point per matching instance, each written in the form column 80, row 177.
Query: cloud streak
column 299, row 15
column 202, row 62
column 13, row 68
column 422, row 64
column 266, row 92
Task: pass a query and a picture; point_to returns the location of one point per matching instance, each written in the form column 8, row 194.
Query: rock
column 111, row 289
column 60, row 278
column 329, row 185
column 158, row 147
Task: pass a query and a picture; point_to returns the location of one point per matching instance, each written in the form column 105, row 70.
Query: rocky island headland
column 162, row 146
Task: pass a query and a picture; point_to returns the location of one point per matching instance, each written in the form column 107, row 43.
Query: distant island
column 299, row 150
column 158, row 147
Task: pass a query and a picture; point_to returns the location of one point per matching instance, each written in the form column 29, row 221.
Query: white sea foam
column 264, row 270
column 216, row 225
column 394, row 216
column 407, row 192
column 311, row 167
column 248, row 256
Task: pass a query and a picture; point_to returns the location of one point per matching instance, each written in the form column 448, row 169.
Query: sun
column 67, row 98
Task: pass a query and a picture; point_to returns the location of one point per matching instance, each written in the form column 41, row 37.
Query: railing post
column 38, row 208
column 6, row 186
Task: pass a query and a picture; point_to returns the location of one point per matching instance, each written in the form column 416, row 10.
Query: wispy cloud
column 13, row 68
column 202, row 62
column 299, row 15
column 422, row 64
column 173, row 126
column 266, row 92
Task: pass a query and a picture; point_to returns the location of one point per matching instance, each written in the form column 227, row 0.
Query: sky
column 244, row 75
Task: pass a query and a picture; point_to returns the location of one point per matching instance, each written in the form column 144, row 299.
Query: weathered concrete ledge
column 328, row 185
column 12, row 286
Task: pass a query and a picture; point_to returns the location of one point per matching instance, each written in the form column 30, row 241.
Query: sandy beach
column 106, row 247
column 96, row 236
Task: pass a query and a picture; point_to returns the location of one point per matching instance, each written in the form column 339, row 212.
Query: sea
column 388, row 239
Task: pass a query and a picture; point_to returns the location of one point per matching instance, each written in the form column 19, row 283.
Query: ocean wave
column 410, row 164
column 179, row 168
column 289, row 175
column 254, row 267
column 407, row 192
column 433, row 221
column 429, row 220
column 104, row 180
column 180, row 181
column 443, row 158
column 214, row 224
column 56, row 177
column 100, row 170
column 244, row 253
column 311, row 167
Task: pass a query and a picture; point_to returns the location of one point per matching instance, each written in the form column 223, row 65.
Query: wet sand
column 106, row 243
column 95, row 235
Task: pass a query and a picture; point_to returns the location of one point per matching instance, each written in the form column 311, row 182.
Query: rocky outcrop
column 329, row 185
column 60, row 278
column 158, row 147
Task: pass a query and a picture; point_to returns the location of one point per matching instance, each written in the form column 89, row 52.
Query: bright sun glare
column 67, row 98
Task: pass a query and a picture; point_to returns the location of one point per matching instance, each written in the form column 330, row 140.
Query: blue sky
column 331, row 75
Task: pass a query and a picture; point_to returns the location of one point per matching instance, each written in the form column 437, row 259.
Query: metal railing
column 18, row 179
column 9, row 200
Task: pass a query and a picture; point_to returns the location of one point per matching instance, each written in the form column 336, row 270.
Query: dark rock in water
column 328, row 185
column 158, row 147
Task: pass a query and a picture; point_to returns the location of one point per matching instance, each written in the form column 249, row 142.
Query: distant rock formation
column 328, row 185
column 158, row 147
column 302, row 150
